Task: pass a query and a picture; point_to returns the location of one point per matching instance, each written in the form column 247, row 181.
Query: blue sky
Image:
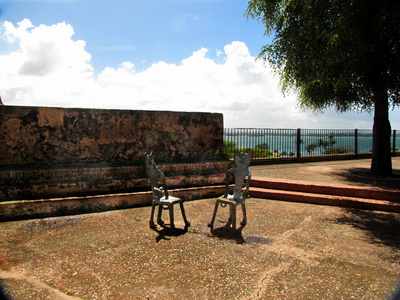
column 192, row 55
column 145, row 31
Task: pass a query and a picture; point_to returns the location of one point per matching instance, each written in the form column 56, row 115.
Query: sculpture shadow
column 381, row 228
column 167, row 232
column 227, row 233
column 363, row 176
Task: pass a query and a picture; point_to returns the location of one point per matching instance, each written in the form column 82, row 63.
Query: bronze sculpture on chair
column 160, row 195
column 240, row 170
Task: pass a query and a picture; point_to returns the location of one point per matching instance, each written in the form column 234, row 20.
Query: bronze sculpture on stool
column 240, row 171
column 161, row 198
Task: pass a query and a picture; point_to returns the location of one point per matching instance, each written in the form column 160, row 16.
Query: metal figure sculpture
column 240, row 170
column 161, row 198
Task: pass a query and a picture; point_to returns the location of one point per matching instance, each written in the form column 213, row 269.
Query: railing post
column 356, row 142
column 394, row 141
column 298, row 143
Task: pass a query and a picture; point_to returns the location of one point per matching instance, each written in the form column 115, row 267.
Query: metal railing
column 268, row 144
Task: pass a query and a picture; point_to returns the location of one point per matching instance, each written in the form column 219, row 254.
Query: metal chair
column 240, row 171
column 160, row 196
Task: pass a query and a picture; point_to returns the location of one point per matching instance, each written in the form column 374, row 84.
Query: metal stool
column 167, row 204
column 161, row 197
column 232, row 207
column 240, row 170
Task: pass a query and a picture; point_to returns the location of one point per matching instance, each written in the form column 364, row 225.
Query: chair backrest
column 240, row 170
column 155, row 175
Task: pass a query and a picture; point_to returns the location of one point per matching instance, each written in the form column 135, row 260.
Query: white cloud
column 51, row 69
column 194, row 17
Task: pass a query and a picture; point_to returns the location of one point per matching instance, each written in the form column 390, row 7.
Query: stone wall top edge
column 23, row 107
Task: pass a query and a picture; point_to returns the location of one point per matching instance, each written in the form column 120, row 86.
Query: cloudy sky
column 182, row 55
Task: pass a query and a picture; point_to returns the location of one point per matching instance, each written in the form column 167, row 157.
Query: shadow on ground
column 381, row 228
column 227, row 233
column 3, row 296
column 167, row 232
column 363, row 176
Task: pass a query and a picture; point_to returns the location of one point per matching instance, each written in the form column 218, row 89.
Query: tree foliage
column 335, row 53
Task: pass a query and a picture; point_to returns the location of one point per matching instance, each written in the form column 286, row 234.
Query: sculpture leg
column 187, row 224
column 244, row 222
column 159, row 220
column 211, row 224
column 233, row 215
column 151, row 222
column 171, row 216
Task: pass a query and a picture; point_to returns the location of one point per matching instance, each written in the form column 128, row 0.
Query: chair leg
column 244, row 222
column 187, row 224
column 151, row 222
column 233, row 215
column 159, row 220
column 171, row 216
column 211, row 224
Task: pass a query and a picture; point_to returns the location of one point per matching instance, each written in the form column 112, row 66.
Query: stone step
column 334, row 195
column 326, row 188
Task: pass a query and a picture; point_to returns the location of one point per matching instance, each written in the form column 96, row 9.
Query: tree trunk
column 381, row 164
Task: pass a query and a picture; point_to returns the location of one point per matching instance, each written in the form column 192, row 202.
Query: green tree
column 228, row 150
column 338, row 53
column 262, row 146
column 311, row 147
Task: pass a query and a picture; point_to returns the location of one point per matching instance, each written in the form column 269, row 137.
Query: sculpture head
column 242, row 160
column 151, row 169
column 149, row 160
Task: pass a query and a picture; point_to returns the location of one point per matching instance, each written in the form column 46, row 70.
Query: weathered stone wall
column 63, row 152
column 43, row 135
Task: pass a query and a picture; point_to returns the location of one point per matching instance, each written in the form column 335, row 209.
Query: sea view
column 313, row 142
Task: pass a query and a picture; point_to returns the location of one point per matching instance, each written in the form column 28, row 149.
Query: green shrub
column 228, row 150
column 262, row 146
column 261, row 151
column 338, row 150
column 311, row 147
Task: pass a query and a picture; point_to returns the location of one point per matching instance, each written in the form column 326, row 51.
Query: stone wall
column 63, row 152
column 43, row 135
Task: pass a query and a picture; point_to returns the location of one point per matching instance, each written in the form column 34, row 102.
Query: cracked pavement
column 286, row 251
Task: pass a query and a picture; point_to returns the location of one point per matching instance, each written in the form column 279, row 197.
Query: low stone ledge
column 30, row 184
column 29, row 209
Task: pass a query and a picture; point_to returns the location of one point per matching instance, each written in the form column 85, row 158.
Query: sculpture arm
column 247, row 185
column 227, row 177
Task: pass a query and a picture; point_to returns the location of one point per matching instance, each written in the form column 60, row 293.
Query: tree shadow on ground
column 3, row 295
column 227, row 233
column 362, row 176
column 167, row 232
column 380, row 227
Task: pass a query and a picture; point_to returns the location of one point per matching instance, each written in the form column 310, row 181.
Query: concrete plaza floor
column 286, row 251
